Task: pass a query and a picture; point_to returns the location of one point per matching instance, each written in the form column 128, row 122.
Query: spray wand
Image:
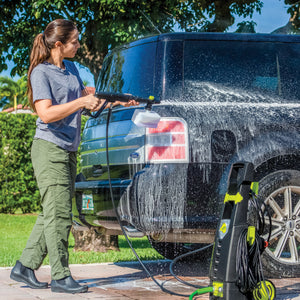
column 114, row 97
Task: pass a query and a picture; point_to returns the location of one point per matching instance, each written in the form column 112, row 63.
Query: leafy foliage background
column 18, row 188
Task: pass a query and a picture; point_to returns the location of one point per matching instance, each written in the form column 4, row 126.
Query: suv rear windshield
column 129, row 70
column 205, row 71
column 232, row 71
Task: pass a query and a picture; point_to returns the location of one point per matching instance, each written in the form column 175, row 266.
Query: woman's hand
column 127, row 104
column 92, row 103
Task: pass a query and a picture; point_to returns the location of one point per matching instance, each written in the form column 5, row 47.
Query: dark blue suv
column 223, row 98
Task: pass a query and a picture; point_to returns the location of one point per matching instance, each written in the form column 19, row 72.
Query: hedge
column 18, row 189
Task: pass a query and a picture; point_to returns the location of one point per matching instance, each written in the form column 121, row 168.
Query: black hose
column 261, row 209
column 175, row 260
column 97, row 114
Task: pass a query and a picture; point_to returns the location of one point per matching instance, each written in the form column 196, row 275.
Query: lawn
column 15, row 230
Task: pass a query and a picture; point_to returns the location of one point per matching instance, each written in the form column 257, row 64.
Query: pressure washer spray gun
column 236, row 269
column 142, row 118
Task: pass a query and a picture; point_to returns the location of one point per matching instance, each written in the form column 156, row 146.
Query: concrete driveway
column 113, row 281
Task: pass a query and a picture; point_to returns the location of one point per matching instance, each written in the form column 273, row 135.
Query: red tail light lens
column 168, row 142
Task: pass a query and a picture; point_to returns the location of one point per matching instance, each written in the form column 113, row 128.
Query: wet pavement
column 113, row 281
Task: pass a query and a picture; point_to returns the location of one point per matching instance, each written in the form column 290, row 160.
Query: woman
column 57, row 95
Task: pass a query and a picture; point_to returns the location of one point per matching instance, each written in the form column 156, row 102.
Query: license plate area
column 87, row 202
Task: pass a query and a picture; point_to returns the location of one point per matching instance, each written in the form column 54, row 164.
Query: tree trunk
column 223, row 17
column 90, row 240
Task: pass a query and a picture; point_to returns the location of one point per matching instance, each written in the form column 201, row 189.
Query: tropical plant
column 13, row 92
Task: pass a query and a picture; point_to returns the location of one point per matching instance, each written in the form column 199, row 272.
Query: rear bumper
column 159, row 198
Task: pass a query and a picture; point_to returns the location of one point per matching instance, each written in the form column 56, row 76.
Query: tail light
column 168, row 142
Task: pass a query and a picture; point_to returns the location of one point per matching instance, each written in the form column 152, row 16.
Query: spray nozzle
column 149, row 103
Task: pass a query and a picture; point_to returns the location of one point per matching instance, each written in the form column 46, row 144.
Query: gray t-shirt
column 61, row 86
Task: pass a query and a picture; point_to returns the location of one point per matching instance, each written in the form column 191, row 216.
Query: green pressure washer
column 236, row 269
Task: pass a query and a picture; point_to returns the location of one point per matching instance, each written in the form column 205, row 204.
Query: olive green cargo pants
column 55, row 171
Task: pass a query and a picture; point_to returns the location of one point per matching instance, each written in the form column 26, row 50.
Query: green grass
column 15, row 230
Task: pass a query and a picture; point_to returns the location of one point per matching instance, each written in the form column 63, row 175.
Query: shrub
column 18, row 189
column 17, row 185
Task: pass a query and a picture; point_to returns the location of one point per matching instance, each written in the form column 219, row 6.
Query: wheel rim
column 284, row 207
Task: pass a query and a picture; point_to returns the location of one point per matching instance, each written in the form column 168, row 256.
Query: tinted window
column 129, row 71
column 237, row 71
column 172, row 72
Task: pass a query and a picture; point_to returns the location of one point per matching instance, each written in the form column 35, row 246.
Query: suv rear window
column 129, row 71
column 232, row 71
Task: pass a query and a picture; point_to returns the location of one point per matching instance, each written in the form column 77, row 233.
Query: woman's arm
column 51, row 113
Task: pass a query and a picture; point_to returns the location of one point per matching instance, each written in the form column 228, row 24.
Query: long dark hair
column 57, row 30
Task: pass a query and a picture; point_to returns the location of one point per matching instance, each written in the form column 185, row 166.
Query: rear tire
column 281, row 191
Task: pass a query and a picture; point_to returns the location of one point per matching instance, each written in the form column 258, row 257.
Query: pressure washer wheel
column 281, row 191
